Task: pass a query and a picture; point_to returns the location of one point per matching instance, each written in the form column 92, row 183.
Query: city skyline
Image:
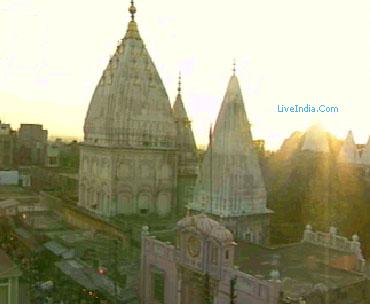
column 50, row 67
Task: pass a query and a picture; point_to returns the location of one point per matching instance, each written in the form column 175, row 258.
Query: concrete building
column 205, row 265
column 32, row 145
column 7, row 146
column 230, row 185
column 132, row 160
column 9, row 280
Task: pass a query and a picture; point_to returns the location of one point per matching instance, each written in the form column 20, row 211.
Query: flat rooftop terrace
column 302, row 266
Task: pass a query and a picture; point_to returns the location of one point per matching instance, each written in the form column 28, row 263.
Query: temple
column 230, row 186
column 132, row 158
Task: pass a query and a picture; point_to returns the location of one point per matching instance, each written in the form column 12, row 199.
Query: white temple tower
column 230, row 185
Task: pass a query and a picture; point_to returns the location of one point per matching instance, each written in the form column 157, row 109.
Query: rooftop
column 302, row 266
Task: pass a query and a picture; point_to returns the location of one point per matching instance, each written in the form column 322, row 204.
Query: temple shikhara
column 230, row 186
column 138, row 150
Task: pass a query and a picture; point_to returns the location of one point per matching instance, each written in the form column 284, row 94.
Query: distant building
column 316, row 139
column 137, row 150
column 53, row 155
column 9, row 280
column 348, row 153
column 205, row 265
column 32, row 145
column 365, row 155
column 7, row 146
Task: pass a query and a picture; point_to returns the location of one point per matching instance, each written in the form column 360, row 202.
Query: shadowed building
column 132, row 159
column 32, row 144
column 230, row 185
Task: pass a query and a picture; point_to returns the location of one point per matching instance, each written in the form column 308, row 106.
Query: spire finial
column 132, row 10
column 179, row 87
column 234, row 67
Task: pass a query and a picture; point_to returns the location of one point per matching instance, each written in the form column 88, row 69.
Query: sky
column 287, row 52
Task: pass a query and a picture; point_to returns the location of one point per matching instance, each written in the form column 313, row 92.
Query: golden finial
column 179, row 87
column 234, row 67
column 132, row 10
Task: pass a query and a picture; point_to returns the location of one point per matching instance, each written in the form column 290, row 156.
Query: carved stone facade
column 124, row 181
column 135, row 143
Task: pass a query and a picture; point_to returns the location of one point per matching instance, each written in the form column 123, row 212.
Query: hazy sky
column 52, row 53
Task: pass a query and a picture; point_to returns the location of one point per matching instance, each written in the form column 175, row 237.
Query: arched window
column 214, row 254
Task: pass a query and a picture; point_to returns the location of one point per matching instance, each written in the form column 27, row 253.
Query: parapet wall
column 334, row 241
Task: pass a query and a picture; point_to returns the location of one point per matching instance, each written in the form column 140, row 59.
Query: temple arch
column 163, row 203
column 144, row 203
column 125, row 203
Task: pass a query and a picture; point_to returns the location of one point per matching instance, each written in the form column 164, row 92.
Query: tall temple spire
column 236, row 182
column 132, row 10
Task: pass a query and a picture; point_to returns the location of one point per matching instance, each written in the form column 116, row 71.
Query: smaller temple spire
column 132, row 10
column 179, row 87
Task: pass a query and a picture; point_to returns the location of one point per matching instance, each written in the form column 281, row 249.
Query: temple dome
column 207, row 226
column 222, row 234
